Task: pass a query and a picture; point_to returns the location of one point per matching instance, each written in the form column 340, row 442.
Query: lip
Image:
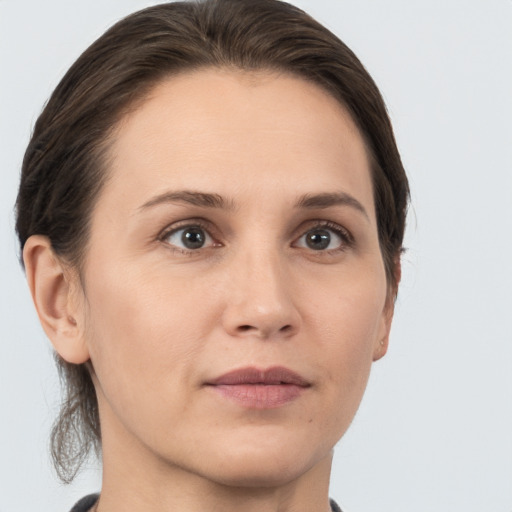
column 256, row 388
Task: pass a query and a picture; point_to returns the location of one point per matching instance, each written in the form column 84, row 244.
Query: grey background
column 434, row 431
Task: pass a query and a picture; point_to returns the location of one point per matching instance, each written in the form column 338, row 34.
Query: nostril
column 247, row 328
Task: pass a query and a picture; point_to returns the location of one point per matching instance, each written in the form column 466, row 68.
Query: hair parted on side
column 66, row 161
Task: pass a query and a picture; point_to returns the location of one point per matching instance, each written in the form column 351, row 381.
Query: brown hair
column 66, row 161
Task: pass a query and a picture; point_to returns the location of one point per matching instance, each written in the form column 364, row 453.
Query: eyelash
column 193, row 223
column 347, row 240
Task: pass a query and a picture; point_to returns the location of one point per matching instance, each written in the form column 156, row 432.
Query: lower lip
column 260, row 396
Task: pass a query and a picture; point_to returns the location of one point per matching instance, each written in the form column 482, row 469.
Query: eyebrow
column 202, row 199
column 209, row 200
column 328, row 199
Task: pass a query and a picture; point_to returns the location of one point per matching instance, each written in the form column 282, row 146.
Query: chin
column 263, row 466
column 268, row 474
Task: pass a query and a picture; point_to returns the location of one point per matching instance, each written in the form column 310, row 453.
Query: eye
column 189, row 238
column 324, row 238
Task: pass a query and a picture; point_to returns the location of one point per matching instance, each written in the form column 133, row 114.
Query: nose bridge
column 266, row 276
column 260, row 300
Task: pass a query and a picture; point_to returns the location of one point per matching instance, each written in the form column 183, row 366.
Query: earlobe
column 382, row 342
column 53, row 290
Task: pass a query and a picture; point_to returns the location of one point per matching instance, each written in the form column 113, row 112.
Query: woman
column 211, row 214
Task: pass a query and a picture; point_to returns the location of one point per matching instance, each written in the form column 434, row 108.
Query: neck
column 137, row 490
column 140, row 484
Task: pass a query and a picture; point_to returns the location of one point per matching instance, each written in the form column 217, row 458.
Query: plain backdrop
column 434, row 431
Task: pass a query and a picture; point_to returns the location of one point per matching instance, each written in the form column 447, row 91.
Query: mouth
column 260, row 389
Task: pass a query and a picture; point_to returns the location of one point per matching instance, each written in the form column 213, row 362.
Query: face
column 234, row 289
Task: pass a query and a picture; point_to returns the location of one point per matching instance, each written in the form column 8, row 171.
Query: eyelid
column 345, row 235
column 188, row 223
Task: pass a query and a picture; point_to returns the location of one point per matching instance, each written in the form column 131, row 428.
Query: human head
column 66, row 163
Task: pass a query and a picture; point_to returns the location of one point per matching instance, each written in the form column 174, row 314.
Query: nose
column 259, row 299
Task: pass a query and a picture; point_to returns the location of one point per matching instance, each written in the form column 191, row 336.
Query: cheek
column 141, row 331
column 349, row 321
column 346, row 362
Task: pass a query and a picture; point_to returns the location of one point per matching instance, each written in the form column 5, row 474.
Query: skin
column 157, row 320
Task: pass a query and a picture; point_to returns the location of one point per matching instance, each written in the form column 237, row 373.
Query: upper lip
column 271, row 376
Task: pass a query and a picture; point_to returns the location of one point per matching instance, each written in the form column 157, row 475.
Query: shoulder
column 85, row 503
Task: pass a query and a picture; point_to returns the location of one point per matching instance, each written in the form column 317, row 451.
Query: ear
column 54, row 288
column 382, row 340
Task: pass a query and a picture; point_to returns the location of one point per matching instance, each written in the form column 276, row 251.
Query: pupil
column 193, row 238
column 318, row 240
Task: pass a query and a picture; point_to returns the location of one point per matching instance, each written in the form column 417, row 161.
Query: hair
column 66, row 161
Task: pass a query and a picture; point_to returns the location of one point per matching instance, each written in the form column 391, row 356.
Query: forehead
column 237, row 131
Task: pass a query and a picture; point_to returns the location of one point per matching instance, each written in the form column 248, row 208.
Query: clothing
column 86, row 503
column 334, row 506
